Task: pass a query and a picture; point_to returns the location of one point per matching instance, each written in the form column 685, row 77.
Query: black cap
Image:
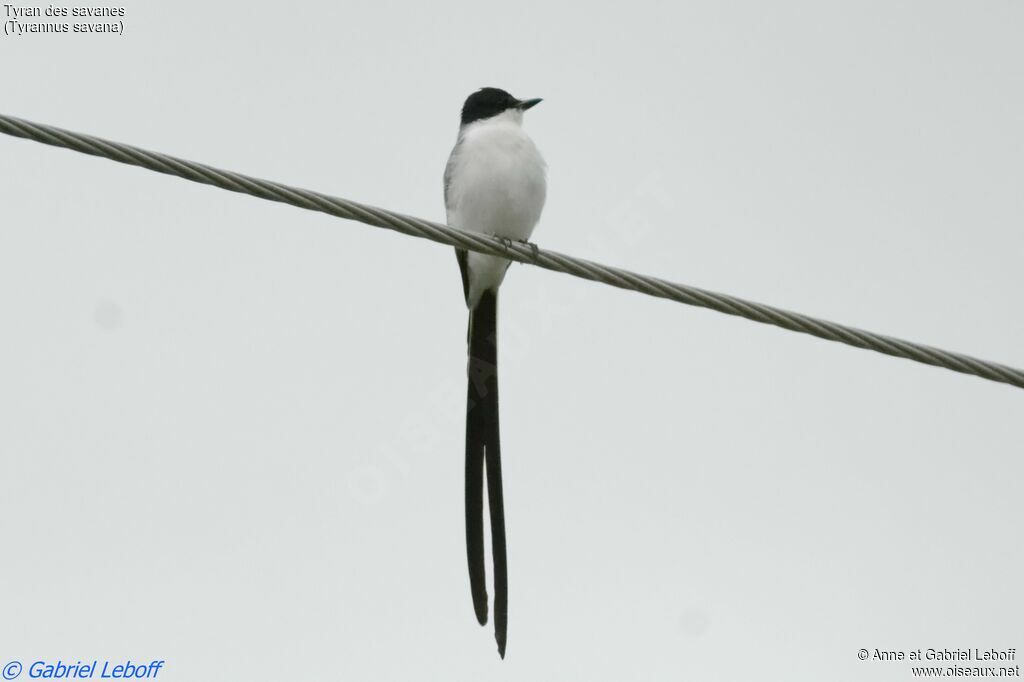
column 488, row 102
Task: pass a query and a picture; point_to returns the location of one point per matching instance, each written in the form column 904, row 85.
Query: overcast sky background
column 233, row 430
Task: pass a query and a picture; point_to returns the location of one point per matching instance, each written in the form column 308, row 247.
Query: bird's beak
column 526, row 104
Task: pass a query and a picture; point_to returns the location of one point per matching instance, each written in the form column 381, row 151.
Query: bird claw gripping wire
column 534, row 250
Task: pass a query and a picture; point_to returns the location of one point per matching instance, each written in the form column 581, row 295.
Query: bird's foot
column 534, row 249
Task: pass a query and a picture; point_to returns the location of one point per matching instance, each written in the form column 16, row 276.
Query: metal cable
column 524, row 253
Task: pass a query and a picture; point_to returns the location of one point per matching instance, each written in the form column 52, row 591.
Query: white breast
column 496, row 185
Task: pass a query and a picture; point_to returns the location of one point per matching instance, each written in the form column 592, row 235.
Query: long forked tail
column 483, row 452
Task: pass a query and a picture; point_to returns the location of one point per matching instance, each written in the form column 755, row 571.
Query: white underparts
column 497, row 186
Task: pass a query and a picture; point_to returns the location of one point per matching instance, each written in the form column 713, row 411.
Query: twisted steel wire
column 521, row 252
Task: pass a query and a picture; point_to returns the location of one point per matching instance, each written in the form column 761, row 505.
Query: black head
column 488, row 102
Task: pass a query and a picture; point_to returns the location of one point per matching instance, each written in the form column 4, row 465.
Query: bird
column 494, row 183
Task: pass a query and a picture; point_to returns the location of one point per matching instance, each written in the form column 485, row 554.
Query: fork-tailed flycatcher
column 494, row 183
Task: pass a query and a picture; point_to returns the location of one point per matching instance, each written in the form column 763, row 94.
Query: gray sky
column 233, row 430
